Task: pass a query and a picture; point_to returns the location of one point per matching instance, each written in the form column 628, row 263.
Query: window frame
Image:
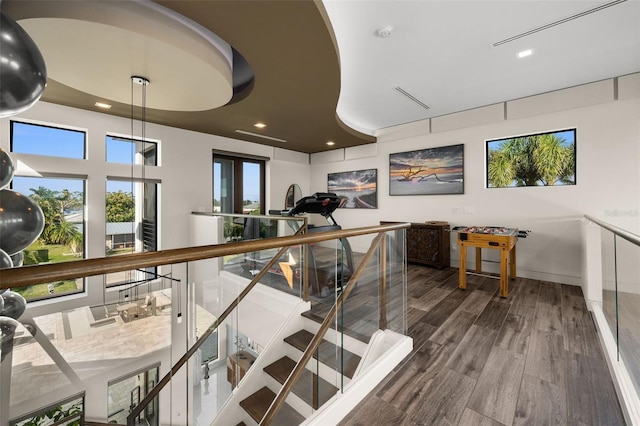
column 238, row 178
column 12, row 122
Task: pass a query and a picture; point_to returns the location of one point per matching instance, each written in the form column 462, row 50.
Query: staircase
column 312, row 390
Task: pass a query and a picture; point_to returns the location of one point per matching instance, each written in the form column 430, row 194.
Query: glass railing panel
column 285, row 274
column 394, row 297
column 95, row 343
column 32, row 376
column 609, row 295
column 375, row 302
column 210, row 293
column 244, row 227
column 628, row 285
column 228, row 353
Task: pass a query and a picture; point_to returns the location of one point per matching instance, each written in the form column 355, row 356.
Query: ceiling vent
column 412, row 98
column 558, row 22
column 258, row 135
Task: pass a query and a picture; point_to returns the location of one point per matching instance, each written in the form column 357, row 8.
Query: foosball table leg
column 462, row 281
column 504, row 280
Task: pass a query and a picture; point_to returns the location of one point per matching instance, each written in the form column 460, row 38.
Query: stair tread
column 314, row 316
column 257, row 404
column 327, row 352
column 304, row 387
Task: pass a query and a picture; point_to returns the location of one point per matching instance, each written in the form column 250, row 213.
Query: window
column 130, row 151
column 238, row 184
column 37, row 139
column 131, row 221
column 131, row 205
column 62, row 201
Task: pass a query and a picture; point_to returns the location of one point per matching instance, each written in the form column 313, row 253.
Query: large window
column 131, row 151
column 62, row 201
column 131, row 221
column 27, row 138
column 238, row 184
column 131, row 205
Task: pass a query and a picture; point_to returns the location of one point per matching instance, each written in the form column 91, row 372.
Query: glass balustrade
column 621, row 299
column 620, row 307
column 198, row 342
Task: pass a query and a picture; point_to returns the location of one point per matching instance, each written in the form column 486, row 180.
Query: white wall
column 608, row 179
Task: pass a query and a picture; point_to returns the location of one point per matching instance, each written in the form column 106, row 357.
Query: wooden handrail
column 279, row 401
column 38, row 274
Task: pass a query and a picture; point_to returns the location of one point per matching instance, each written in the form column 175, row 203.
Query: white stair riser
column 351, row 344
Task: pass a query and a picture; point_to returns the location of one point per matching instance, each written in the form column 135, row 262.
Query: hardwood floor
column 478, row 359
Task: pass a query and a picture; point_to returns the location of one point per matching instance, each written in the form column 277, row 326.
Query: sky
column 251, row 182
column 42, row 140
column 51, row 141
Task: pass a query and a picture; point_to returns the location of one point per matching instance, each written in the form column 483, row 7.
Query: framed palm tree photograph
column 541, row 159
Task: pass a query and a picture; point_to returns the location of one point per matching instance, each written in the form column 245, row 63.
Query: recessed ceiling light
column 525, row 53
column 384, row 32
column 102, row 105
column 260, row 125
column 331, row 143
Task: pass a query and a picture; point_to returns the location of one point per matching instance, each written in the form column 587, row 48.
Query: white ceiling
column 96, row 46
column 441, row 53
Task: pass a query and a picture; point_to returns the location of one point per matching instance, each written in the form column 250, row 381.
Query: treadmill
column 326, row 276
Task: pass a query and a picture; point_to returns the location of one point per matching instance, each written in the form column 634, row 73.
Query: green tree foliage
column 540, row 160
column 54, row 204
column 120, row 207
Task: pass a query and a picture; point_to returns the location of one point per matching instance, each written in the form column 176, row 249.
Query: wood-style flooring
column 530, row 359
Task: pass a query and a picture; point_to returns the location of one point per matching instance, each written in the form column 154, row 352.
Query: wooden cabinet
column 237, row 366
column 428, row 243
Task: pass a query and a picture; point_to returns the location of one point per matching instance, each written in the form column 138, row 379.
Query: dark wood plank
column 550, row 293
column 591, row 396
column 449, row 393
column 489, row 285
column 573, row 306
column 312, row 389
column 454, row 328
column 430, row 299
column 472, row 352
column 327, row 352
column 496, row 392
column 373, row 411
column 257, row 404
column 580, row 337
column 473, row 418
column 540, row 403
column 476, row 302
column 545, row 359
column 515, row 333
column 437, row 315
column 420, row 333
column 548, row 318
column 493, row 315
column 407, row 389
column 528, row 293
column 443, row 339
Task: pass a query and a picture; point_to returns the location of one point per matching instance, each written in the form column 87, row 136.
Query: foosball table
column 492, row 237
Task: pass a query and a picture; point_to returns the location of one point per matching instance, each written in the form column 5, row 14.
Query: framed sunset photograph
column 431, row 171
column 357, row 189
